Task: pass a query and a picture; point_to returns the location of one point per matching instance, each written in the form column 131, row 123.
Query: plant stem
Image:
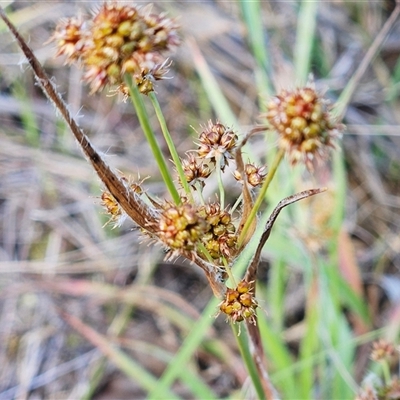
column 170, row 144
column 261, row 195
column 220, row 183
column 248, row 360
column 386, row 372
column 137, row 102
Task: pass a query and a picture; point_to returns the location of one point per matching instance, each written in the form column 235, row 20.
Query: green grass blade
column 276, row 293
column 243, row 344
column 278, row 357
column 252, row 16
column 125, row 363
column 306, row 23
column 190, row 345
column 216, row 97
column 309, row 345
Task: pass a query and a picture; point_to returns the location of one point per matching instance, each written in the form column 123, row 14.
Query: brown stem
column 251, row 272
column 129, row 201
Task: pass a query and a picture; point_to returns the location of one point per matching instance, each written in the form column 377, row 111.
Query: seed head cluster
column 195, row 171
column 388, row 388
column 181, row 227
column 221, row 238
column 382, row 350
column 254, row 175
column 304, row 124
column 119, row 39
column 217, row 141
column 239, row 303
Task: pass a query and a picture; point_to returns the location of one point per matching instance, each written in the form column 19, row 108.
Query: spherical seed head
column 239, row 303
column 70, row 37
column 119, row 39
column 221, row 238
column 382, row 350
column 195, row 171
column 254, row 175
column 369, row 393
column 217, row 141
column 181, row 227
column 392, row 390
column 304, row 124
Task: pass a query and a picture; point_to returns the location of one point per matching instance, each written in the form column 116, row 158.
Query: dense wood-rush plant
column 124, row 48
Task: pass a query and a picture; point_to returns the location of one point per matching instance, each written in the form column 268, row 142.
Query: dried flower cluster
column 382, row 350
column 239, row 303
column 254, row 175
column 119, row 39
column 181, row 227
column 221, row 238
column 217, row 142
column 304, row 124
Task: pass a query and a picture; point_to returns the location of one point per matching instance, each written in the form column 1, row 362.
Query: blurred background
column 57, row 260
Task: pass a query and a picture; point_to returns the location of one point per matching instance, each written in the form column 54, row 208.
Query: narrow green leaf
column 306, row 23
column 278, row 357
column 189, row 346
column 252, row 16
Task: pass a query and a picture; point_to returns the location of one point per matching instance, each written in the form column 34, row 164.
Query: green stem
column 237, row 203
column 170, row 144
column 199, row 190
column 220, row 183
column 143, row 117
column 261, row 195
column 228, row 270
column 386, row 372
column 248, row 360
column 203, row 249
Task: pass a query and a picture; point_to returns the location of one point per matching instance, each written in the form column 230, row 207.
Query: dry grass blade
column 128, row 200
column 251, row 272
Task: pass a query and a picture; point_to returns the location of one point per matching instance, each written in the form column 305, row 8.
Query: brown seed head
column 119, row 39
column 239, row 303
column 369, row 393
column 195, row 171
column 254, row 175
column 221, row 238
column 304, row 124
column 217, row 141
column 382, row 350
column 117, row 214
column 181, row 227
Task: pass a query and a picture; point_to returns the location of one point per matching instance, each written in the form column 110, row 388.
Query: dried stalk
column 251, row 272
column 129, row 201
